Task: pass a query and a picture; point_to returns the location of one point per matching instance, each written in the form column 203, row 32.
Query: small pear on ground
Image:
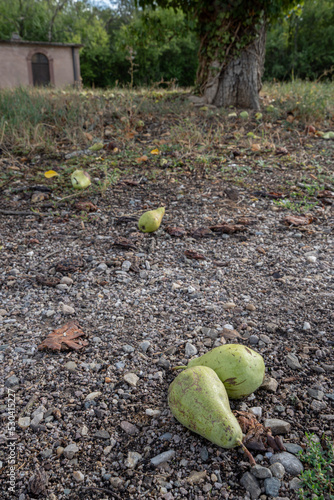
column 80, row 179
column 244, row 115
column 198, row 399
column 150, row 221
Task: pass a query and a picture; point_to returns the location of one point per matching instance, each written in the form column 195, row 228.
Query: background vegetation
column 124, row 45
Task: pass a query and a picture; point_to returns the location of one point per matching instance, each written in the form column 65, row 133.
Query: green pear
column 150, row 221
column 96, row 147
column 80, row 179
column 198, row 400
column 239, row 368
column 244, row 115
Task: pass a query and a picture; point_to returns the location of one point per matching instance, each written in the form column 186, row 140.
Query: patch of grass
column 318, row 477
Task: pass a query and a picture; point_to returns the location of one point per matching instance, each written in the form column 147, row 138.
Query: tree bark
column 238, row 82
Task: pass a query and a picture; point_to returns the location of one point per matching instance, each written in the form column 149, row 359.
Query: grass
column 318, row 477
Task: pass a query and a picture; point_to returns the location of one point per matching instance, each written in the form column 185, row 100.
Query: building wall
column 15, row 64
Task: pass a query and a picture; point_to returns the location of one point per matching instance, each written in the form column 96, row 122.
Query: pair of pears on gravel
column 199, row 396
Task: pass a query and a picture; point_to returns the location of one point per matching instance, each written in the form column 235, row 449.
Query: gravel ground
column 93, row 423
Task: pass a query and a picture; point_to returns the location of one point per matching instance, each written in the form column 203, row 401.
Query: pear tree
column 232, row 37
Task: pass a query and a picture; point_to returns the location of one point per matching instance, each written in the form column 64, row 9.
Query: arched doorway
column 40, row 69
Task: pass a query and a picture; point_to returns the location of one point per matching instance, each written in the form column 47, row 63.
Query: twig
column 14, row 212
column 104, row 490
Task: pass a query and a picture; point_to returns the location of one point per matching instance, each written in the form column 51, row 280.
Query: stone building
column 38, row 63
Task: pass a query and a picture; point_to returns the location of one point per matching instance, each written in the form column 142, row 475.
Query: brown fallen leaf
column 49, row 281
column 246, row 221
column 201, row 232
column 257, row 437
column 124, row 243
column 191, row 254
column 281, row 151
column 125, row 219
column 178, row 232
column 86, row 206
column 227, row 228
column 298, row 220
column 230, row 334
column 325, row 194
column 65, row 337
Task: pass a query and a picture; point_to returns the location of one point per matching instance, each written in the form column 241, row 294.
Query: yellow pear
column 150, row 221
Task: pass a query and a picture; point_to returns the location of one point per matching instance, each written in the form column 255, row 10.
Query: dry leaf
column 227, row 228
column 155, row 151
column 201, row 232
column 191, row 254
column 325, row 194
column 65, row 337
column 124, row 243
column 50, row 281
column 141, row 159
column 298, row 220
column 176, row 231
column 256, row 147
column 70, row 265
column 87, row 206
column 50, row 173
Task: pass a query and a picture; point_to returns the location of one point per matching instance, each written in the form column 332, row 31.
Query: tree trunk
column 237, row 82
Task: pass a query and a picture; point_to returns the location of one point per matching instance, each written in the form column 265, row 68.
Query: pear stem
column 247, row 452
column 179, row 367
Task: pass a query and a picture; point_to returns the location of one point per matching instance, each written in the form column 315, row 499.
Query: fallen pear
column 150, row 221
column 199, row 401
column 80, row 179
column 239, row 368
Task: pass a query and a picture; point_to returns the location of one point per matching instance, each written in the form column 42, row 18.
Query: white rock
column 24, row 422
column 66, row 281
column 131, row 379
column 229, row 305
column 84, row 430
column 190, row 349
column 311, row 258
column 306, row 326
column 132, row 459
column 67, row 309
column 175, row 286
column 93, row 395
column 257, row 411
column 78, row 476
column 152, row 413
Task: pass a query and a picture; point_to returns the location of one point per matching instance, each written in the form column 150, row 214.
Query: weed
column 318, row 479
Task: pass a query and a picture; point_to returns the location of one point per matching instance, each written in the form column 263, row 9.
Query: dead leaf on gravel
column 281, row 151
column 201, row 232
column 178, row 232
column 70, row 265
column 297, row 220
column 125, row 219
column 38, row 483
column 38, row 197
column 191, row 254
column 49, row 281
column 65, row 337
column 230, row 334
column 124, row 243
column 325, row 194
column 87, row 206
column 227, row 228
column 246, row 221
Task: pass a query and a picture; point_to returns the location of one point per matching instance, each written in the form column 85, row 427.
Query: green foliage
column 318, row 478
column 302, row 44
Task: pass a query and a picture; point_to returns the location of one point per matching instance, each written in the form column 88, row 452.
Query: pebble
column 24, row 422
column 12, row 381
column 269, row 384
column 293, row 448
column 162, row 457
column 253, row 339
column 78, row 476
column 277, row 470
column 291, row 464
column 196, row 477
column 260, row 472
column 46, row 453
column 71, row 366
column 36, row 420
column 204, row 454
column 131, row 379
column 67, row 309
column 66, row 281
column 229, row 305
column 128, row 348
column 251, row 484
column 116, row 482
column 277, row 426
column 126, row 265
column 265, row 339
column 152, row 413
column 102, row 267
column 314, row 393
column 311, row 258
column 93, row 395
column 70, row 451
column 143, row 274
column 318, row 406
column 295, row 484
column 306, row 326
column 272, row 486
column 129, row 428
column 102, row 434
column 143, row 346
column 257, row 411
column 132, row 459
column 251, row 307
column 293, row 362
column 190, row 350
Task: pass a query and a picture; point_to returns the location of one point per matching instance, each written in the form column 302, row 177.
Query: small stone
column 24, row 422
column 253, row 339
column 71, row 366
column 102, row 267
column 37, row 420
column 128, row 348
column 67, row 309
column 277, row 470
column 190, row 350
column 78, row 476
column 295, row 484
column 229, row 305
column 131, row 379
column 318, row 406
column 191, row 290
column 306, row 326
column 277, row 426
column 116, row 482
column 269, row 384
column 293, row 362
column 175, row 286
column 152, row 413
column 66, row 281
column 93, row 395
column 70, row 450
column 250, row 307
column 129, row 428
column 126, row 265
column 293, row 448
column 102, row 434
column 251, row 484
column 132, row 459
column 265, row 339
column 12, row 381
column 311, row 258
column 144, row 345
column 196, row 477
column 204, row 454
column 257, row 411
column 291, row 464
column 59, row 451
column 46, row 453
column 314, row 393
column 272, row 486
column 84, row 430
column 143, row 274
column 162, row 457
column 260, row 472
